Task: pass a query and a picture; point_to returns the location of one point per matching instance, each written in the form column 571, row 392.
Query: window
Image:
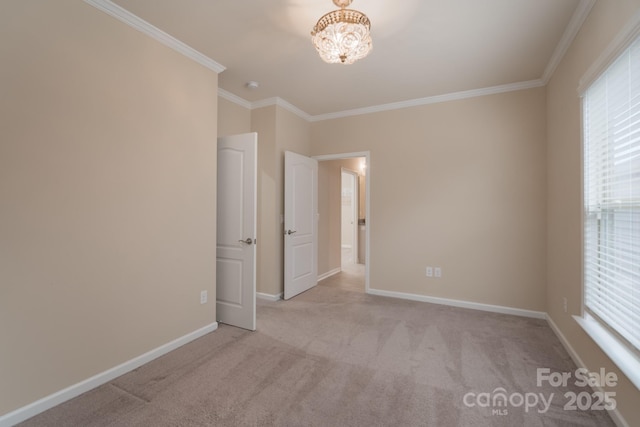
column 611, row 111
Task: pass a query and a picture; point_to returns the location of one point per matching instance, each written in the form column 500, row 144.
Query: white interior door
column 300, row 223
column 349, row 217
column 236, row 225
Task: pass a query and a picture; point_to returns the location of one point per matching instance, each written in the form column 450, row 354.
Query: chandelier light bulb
column 342, row 36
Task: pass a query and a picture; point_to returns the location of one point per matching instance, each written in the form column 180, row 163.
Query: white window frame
column 618, row 350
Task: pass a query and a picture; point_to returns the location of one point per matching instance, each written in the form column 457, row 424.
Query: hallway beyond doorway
column 330, row 245
column 351, row 278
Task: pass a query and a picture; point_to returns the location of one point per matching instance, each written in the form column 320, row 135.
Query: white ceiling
column 421, row 48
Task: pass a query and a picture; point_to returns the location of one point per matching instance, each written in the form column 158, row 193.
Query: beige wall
column 565, row 189
column 329, row 207
column 232, row 118
column 278, row 131
column 107, row 196
column 460, row 185
column 263, row 121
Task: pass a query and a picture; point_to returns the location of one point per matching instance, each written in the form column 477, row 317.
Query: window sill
column 625, row 359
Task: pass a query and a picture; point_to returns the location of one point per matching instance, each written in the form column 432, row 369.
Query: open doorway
column 343, row 234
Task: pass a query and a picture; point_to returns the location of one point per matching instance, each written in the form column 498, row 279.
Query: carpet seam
column 123, row 390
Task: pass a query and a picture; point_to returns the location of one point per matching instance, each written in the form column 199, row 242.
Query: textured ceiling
column 421, row 48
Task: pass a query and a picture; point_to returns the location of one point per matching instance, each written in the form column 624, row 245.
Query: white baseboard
column 75, row 390
column 461, row 304
column 329, row 274
column 615, row 415
column 578, row 361
column 269, row 297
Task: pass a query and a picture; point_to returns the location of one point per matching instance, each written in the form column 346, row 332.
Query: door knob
column 248, row 241
column 290, row 232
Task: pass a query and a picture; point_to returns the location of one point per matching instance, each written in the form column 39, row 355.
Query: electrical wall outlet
column 438, row 272
column 203, row 297
column 429, row 272
column 564, row 304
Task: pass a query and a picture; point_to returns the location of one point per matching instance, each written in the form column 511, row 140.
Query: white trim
column 143, row 26
column 281, row 103
column 269, row 297
column 70, row 392
column 431, row 100
column 462, row 304
column 565, row 342
column 624, row 359
column 625, row 37
column 267, row 102
column 615, row 415
column 339, row 156
column 367, row 202
column 575, row 24
column 264, row 103
column 384, row 107
column 579, row 16
column 234, row 98
column 329, row 274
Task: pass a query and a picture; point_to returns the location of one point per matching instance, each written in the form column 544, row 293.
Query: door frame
column 367, row 192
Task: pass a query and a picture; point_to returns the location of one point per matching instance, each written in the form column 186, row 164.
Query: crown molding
column 455, row 96
column 614, row 49
column 283, row 104
column 143, row 26
column 578, row 18
column 570, row 33
column 264, row 103
column 575, row 24
column 380, row 108
column 268, row 102
column 234, row 98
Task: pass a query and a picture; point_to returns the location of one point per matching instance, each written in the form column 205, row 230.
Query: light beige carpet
column 335, row 356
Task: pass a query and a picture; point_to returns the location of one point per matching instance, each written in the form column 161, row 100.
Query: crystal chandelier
column 342, row 35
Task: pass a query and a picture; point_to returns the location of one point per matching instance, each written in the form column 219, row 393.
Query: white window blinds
column 612, row 197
